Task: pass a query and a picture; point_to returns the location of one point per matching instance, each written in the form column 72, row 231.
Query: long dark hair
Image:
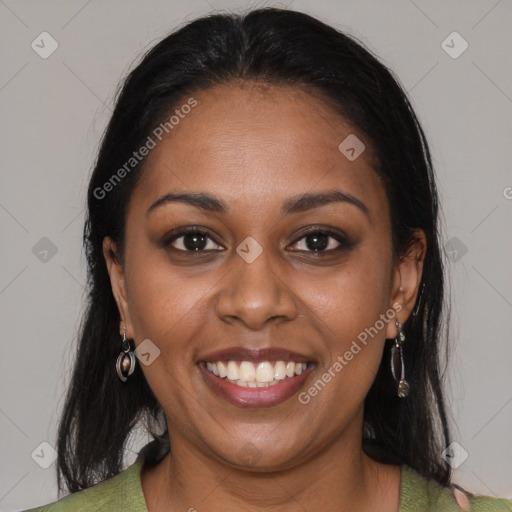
column 277, row 47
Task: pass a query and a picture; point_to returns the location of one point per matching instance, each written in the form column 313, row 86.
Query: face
column 263, row 279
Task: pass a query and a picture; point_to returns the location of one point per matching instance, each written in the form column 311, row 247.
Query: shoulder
column 122, row 492
column 421, row 494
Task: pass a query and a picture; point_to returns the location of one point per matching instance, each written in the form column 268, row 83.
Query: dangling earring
column 417, row 308
column 403, row 385
column 125, row 364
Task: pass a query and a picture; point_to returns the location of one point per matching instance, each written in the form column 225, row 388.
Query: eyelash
column 339, row 236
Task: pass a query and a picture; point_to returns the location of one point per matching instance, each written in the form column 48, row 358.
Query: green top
column 123, row 493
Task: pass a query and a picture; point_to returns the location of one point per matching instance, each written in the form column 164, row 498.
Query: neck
column 341, row 478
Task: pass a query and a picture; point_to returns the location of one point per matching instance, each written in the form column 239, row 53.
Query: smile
column 255, row 374
column 248, row 377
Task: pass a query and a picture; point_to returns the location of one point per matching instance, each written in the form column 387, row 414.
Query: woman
column 266, row 285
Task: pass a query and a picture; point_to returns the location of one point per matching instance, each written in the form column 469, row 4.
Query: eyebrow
column 296, row 204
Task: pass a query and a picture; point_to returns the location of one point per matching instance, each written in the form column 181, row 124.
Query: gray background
column 54, row 110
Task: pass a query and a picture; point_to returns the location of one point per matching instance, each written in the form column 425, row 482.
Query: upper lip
column 255, row 354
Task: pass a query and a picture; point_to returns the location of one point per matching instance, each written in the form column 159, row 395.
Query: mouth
column 255, row 378
column 255, row 375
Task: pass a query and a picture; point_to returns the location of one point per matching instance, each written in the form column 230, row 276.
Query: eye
column 192, row 240
column 321, row 241
column 315, row 241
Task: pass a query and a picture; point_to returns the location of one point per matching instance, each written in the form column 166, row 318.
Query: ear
column 117, row 282
column 406, row 281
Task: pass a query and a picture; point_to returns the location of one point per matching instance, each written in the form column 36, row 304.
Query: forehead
column 257, row 144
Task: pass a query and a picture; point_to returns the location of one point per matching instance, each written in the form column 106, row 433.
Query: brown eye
column 192, row 240
column 321, row 241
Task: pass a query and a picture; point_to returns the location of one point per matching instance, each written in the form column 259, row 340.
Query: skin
column 255, row 146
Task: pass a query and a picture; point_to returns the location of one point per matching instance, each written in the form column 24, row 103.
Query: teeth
column 246, row 374
column 279, row 370
column 247, row 371
column 232, row 371
column 264, row 372
column 222, row 369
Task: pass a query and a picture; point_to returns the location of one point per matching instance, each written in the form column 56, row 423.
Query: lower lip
column 242, row 396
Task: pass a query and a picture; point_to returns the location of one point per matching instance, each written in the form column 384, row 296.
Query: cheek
column 349, row 299
column 165, row 305
column 170, row 310
column 350, row 309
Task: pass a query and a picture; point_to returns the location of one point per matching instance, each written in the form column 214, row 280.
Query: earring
column 403, row 385
column 125, row 364
column 417, row 308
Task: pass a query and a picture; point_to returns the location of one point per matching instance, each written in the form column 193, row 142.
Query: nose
column 254, row 293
